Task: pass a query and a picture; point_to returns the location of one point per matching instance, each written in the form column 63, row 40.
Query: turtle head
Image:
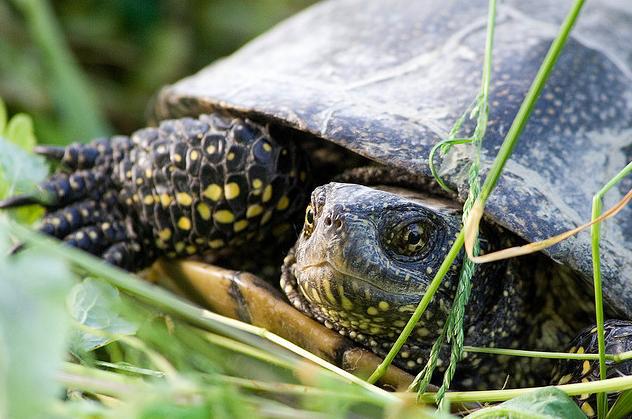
column 366, row 256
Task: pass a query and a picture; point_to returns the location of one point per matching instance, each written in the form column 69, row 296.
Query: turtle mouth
column 324, row 284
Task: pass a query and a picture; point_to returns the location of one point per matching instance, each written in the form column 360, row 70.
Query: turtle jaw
column 351, row 302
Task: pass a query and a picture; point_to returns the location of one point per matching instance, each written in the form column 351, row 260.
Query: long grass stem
column 597, row 204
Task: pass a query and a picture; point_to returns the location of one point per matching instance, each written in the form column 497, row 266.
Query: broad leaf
column 546, row 403
column 96, row 305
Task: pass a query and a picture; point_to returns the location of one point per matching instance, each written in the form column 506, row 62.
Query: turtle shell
column 387, row 80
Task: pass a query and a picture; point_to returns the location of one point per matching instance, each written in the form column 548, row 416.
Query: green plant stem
column 620, row 357
column 244, row 349
column 176, row 306
column 292, row 389
column 607, row 385
column 529, row 101
column 98, row 381
column 597, row 204
column 506, row 148
column 419, row 311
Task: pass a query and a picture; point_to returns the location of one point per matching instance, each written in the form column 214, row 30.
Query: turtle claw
column 77, row 156
column 50, row 152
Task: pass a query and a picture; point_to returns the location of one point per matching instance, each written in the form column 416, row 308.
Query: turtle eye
column 410, row 240
column 308, row 227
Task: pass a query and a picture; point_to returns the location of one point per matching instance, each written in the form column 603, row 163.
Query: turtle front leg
column 246, row 297
column 618, row 339
column 185, row 187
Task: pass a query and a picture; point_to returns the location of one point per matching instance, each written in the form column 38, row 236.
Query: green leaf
column 20, row 172
column 546, row 403
column 622, row 407
column 96, row 305
column 33, row 330
column 20, row 131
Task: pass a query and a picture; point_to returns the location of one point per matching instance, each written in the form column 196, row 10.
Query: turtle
column 327, row 121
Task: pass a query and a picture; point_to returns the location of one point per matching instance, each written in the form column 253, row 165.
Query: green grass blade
column 597, row 204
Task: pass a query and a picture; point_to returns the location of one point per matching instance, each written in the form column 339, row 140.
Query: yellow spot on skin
column 328, row 293
column 160, row 244
column 55, row 221
column 165, row 234
column 204, row 211
column 224, row 216
column 254, row 210
column 315, row 296
column 383, row 305
column 230, row 156
column 283, row 203
column 211, row 149
column 587, row 409
column 231, row 190
column 257, row 183
column 194, row 155
column 161, row 149
column 216, row 244
column 165, row 200
column 105, row 226
column 346, row 302
column 423, row 332
column 79, row 236
column 139, row 181
column 266, row 217
column 585, row 367
column 372, row 311
column 179, row 247
column 565, row 379
column 128, row 174
column 213, row 192
column 267, row 193
column 580, row 350
column 240, row 225
column 184, row 223
column 93, row 235
column 267, row 147
column 184, row 198
column 177, row 158
column 148, row 200
column 148, row 172
column 572, row 350
column 191, row 249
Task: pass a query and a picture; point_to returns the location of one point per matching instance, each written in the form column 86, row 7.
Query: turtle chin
column 349, row 302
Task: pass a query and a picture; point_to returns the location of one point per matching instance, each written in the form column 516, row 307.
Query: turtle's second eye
column 309, row 221
column 410, row 240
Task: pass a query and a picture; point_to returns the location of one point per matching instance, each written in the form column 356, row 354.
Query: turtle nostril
column 338, row 224
column 328, row 221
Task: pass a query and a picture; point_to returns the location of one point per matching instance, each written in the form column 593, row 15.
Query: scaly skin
column 183, row 188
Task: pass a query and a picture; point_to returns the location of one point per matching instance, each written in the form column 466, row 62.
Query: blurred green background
column 84, row 68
